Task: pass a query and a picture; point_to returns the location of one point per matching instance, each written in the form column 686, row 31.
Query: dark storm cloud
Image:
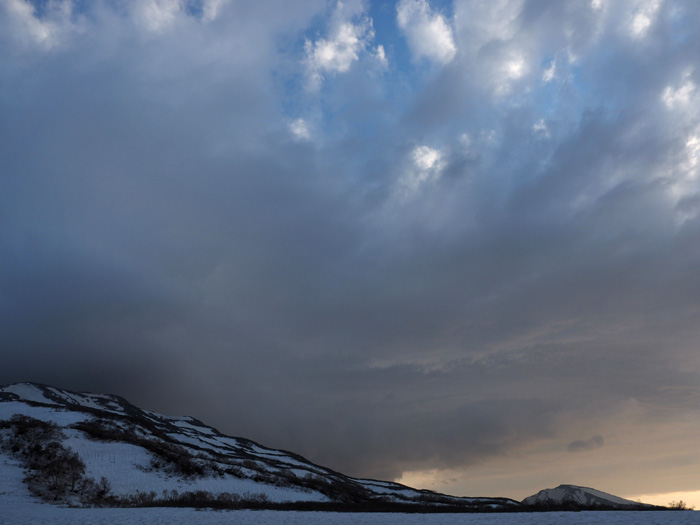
column 164, row 236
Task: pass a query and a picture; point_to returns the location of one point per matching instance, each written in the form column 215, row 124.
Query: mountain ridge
column 137, row 451
column 132, row 456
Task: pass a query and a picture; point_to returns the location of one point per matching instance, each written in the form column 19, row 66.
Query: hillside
column 99, row 449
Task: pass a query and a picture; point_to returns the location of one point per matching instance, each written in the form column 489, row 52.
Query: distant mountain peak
column 567, row 494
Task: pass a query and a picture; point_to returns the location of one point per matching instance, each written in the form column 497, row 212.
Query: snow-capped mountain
column 579, row 496
column 87, row 448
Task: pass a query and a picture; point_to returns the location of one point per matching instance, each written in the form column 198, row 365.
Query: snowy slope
column 51, row 515
column 137, row 450
column 584, row 496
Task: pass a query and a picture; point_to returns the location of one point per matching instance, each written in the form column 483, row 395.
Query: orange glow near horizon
column 691, row 498
column 430, row 479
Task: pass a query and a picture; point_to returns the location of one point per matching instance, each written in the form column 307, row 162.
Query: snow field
column 127, row 467
column 48, row 515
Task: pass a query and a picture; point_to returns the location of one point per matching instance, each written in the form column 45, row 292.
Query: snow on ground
column 86, row 400
column 609, row 497
column 191, row 440
column 186, row 425
column 386, row 488
column 13, row 493
column 126, row 467
column 28, row 392
column 60, row 417
column 46, row 514
column 18, row 507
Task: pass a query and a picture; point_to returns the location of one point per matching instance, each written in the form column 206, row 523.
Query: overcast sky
column 453, row 244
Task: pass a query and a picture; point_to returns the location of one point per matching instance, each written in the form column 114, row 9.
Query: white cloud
column 427, row 158
column 674, row 98
column 644, row 17
column 426, row 164
column 496, row 47
column 540, row 128
column 157, row 15
column 482, row 22
column 692, row 148
column 336, row 54
column 211, row 9
column 683, row 103
column 380, row 55
column 58, row 19
column 514, row 68
column 511, row 69
column 46, row 31
column 684, row 177
column 300, row 129
column 428, row 33
column 550, row 73
column 466, row 141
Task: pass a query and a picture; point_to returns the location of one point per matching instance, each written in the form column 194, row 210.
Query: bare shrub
column 53, row 471
column 680, row 505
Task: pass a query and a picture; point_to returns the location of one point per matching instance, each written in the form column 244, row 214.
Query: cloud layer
column 429, row 34
column 442, row 243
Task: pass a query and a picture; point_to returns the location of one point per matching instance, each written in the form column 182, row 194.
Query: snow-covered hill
column 579, row 496
column 130, row 455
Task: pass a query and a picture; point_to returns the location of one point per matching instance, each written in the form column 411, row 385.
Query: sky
column 454, row 244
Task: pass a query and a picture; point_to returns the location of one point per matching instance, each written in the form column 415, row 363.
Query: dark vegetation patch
column 259, row 501
column 53, row 472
